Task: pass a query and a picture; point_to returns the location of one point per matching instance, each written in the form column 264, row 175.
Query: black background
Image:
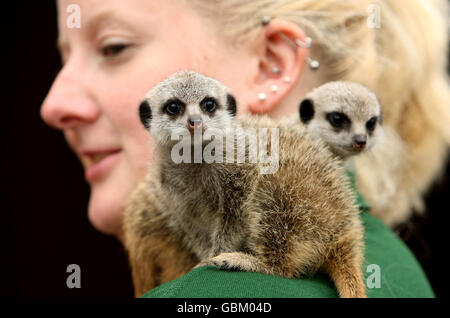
column 44, row 225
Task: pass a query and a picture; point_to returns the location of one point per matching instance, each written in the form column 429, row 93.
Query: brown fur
column 156, row 255
column 292, row 228
column 290, row 223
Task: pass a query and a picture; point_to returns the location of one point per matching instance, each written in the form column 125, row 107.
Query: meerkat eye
column 370, row 125
column 173, row 107
column 209, row 104
column 338, row 120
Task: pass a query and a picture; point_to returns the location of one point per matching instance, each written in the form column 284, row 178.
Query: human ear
column 281, row 62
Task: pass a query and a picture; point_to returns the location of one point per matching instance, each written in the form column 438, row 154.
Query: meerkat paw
column 236, row 261
column 220, row 264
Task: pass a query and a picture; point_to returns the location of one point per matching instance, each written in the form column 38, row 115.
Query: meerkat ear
column 145, row 113
column 306, row 110
column 231, row 104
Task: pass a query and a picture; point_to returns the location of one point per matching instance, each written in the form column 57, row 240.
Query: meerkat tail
column 143, row 271
column 344, row 268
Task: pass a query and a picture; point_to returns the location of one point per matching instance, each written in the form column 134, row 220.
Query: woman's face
column 120, row 51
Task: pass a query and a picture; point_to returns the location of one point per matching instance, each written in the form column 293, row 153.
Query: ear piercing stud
column 276, row 70
column 313, row 64
column 266, row 20
column 306, row 44
column 262, row 97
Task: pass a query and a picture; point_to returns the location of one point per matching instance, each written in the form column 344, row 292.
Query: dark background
column 44, row 225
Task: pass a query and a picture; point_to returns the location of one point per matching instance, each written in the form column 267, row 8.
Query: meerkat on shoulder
column 290, row 223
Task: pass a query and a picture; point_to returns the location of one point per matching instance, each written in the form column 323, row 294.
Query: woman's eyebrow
column 98, row 19
column 94, row 23
column 104, row 18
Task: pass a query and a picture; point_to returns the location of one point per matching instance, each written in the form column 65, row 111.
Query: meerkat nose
column 359, row 141
column 194, row 121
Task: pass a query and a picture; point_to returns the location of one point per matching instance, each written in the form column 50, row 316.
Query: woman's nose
column 70, row 102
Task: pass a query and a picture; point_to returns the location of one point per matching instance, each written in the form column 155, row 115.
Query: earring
column 306, row 44
column 274, row 88
column 313, row 64
column 265, row 20
column 276, row 70
column 262, row 97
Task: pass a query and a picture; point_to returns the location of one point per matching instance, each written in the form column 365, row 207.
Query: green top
column 396, row 273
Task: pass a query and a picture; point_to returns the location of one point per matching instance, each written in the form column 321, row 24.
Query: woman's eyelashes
column 112, row 48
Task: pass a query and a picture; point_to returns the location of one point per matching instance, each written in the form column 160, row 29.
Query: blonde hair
column 403, row 62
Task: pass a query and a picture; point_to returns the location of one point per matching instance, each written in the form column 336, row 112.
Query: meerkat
column 348, row 117
column 345, row 115
column 290, row 223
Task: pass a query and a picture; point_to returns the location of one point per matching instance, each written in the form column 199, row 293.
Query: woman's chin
column 105, row 213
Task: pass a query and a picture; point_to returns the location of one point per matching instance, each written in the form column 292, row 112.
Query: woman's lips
column 98, row 163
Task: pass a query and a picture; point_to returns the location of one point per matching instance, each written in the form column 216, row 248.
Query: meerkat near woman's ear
column 289, row 223
column 345, row 115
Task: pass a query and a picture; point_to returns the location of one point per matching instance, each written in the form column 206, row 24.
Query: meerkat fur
column 291, row 223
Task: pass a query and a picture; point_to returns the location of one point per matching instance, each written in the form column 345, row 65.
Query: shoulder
column 207, row 282
column 390, row 270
